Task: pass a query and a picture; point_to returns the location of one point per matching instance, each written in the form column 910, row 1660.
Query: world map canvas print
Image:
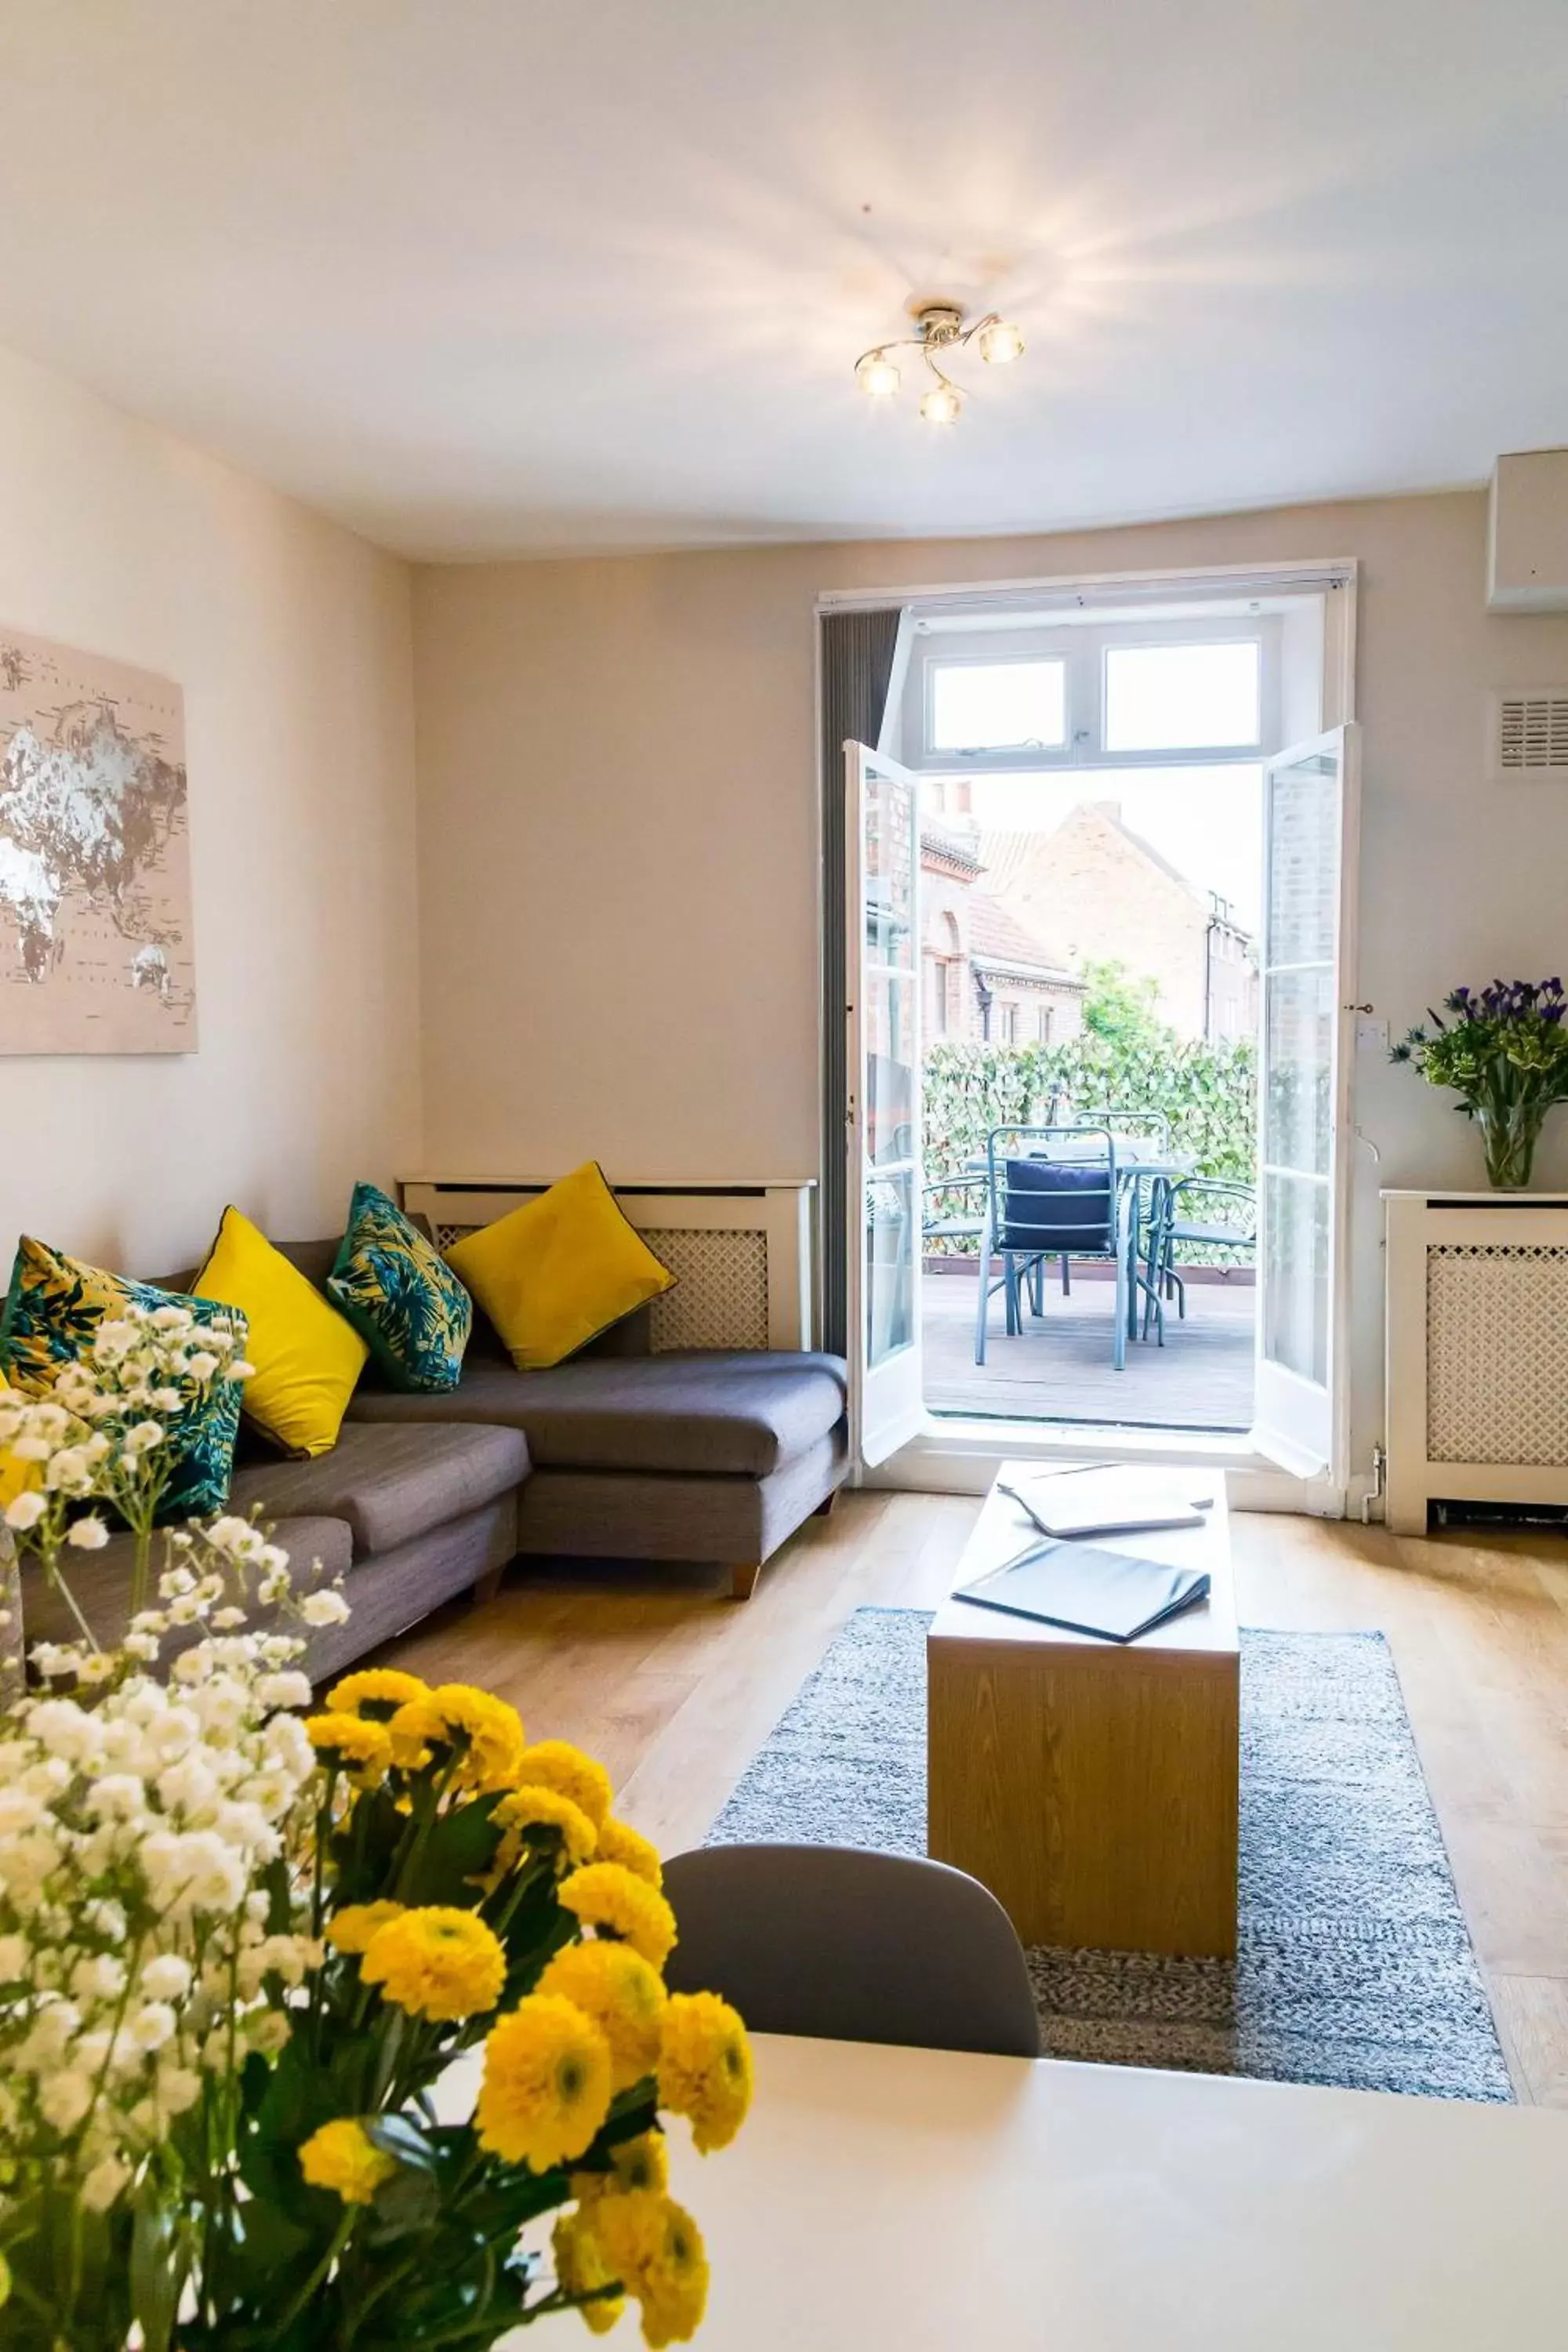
column 96, row 953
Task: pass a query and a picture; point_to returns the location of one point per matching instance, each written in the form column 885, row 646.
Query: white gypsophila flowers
column 111, row 1429
column 148, row 1945
column 141, row 1957
column 324, row 1608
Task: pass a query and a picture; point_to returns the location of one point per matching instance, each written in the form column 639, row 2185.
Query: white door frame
column 1299, row 1423
column 961, row 1458
column 887, row 1391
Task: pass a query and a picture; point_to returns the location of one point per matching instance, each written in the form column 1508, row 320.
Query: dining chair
column 853, row 1947
column 1133, row 1131
column 941, row 1219
column 1177, row 1215
column 1041, row 1203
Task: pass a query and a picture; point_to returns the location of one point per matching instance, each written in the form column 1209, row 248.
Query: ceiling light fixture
column 877, row 377
column 942, row 330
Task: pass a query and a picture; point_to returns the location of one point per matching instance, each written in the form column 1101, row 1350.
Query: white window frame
column 1082, row 647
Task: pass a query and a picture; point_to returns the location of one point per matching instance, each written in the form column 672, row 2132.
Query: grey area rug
column 1355, row 1964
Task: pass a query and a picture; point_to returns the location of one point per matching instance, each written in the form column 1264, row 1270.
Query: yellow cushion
column 559, row 1270
column 306, row 1357
column 14, row 1476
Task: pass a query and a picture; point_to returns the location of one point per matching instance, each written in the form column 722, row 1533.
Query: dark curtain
column 858, row 651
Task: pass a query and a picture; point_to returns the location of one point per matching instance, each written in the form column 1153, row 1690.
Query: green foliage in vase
column 1504, row 1050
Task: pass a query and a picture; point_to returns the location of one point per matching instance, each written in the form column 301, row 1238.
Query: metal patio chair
column 1038, row 1207
column 964, row 1225
column 1127, row 1127
column 1176, row 1215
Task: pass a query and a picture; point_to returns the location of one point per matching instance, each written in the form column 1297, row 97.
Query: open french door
column 1307, row 972
column 882, row 1132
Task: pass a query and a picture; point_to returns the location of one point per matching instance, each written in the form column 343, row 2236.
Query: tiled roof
column 1004, row 855
column 958, row 848
column 996, row 937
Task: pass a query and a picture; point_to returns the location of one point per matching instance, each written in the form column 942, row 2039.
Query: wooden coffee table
column 1093, row 1786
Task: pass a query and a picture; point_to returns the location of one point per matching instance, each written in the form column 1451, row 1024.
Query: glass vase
column 1509, row 1133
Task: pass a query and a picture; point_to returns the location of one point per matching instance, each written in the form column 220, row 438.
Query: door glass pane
column 891, row 1236
column 890, row 1068
column 1303, row 883
column 1298, row 1065
column 1295, row 1326
column 1181, row 697
column 890, row 872
column 998, row 706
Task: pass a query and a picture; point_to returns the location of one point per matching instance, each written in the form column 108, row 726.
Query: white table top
column 917, row 2199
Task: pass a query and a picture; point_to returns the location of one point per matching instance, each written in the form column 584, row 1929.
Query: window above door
column 1123, row 694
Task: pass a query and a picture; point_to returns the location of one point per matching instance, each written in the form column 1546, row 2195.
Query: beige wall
column 291, row 640
column 618, row 794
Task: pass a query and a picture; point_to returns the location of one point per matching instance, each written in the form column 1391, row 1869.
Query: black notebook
column 1109, row 1593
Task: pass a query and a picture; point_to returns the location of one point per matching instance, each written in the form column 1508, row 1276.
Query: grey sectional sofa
column 619, row 1453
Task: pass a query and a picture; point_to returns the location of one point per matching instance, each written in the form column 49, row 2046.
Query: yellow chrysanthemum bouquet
column 470, row 1894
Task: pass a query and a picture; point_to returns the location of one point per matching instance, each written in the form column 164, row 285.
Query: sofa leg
column 486, row 1587
column 828, row 1506
column 744, row 1581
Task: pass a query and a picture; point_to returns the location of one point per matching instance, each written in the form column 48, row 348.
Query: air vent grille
column 1532, row 738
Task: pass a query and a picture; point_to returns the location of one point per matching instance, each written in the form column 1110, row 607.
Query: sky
column 1208, row 821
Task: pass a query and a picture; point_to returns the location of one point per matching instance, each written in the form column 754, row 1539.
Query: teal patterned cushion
column 53, row 1307
column 400, row 1295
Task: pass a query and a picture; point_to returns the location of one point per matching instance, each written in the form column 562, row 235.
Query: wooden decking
column 1059, row 1367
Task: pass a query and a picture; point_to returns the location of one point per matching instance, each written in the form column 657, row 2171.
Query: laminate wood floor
column 676, row 1686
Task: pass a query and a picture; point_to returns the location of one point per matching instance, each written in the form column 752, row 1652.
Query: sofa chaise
column 619, row 1453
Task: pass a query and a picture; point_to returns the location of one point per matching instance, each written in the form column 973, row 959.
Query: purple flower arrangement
column 1504, row 1050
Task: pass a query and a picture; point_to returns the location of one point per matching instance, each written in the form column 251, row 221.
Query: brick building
column 985, row 973
column 1107, row 896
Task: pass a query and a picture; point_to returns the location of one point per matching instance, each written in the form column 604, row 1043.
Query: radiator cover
column 1477, row 1351
column 740, row 1253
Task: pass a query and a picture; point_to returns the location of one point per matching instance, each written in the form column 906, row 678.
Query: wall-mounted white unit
column 1527, row 545
column 1477, row 1351
column 741, row 1254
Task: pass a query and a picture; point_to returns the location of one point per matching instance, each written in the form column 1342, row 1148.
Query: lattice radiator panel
column 742, row 1257
column 1477, row 1353
column 1496, row 1353
column 720, row 1294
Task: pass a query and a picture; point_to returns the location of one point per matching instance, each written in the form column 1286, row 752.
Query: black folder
column 1110, row 1594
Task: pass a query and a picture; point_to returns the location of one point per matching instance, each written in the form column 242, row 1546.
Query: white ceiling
column 523, row 275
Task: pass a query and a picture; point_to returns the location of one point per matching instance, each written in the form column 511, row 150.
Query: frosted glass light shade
column 940, row 405
column 1000, row 341
column 877, row 377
